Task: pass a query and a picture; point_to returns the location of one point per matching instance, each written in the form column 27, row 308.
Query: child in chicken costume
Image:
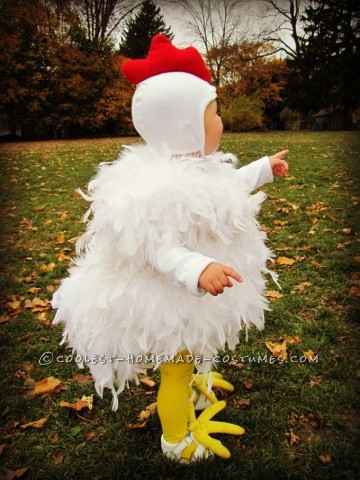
column 174, row 227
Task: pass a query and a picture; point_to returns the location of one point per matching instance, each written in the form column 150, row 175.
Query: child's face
column 213, row 128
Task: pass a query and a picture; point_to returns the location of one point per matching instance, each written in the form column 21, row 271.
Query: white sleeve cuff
column 255, row 174
column 182, row 267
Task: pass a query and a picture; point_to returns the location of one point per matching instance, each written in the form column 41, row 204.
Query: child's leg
column 173, row 398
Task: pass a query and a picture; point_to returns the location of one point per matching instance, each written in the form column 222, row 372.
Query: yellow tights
column 173, row 398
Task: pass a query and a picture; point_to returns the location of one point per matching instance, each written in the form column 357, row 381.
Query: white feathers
column 114, row 304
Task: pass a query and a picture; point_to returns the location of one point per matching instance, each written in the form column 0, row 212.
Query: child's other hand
column 278, row 166
column 215, row 277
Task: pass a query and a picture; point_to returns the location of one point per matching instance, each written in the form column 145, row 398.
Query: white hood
column 168, row 112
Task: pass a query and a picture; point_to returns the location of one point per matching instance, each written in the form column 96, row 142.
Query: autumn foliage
column 55, row 81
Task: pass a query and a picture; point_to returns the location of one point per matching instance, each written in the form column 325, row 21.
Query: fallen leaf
column 242, row 403
column 273, row 294
column 26, row 337
column 34, row 290
column 294, row 439
column 293, row 419
column 2, row 448
column 89, row 436
column 354, row 280
column 277, row 349
column 292, row 340
column 301, row 287
column 82, row 379
column 14, row 305
column 144, row 416
column 28, row 280
column 355, row 292
column 47, row 268
column 310, row 356
column 80, row 403
column 58, row 457
column 317, row 380
column 305, row 249
column 60, row 238
column 36, row 424
column 4, row 318
column 54, row 438
column 147, row 381
column 11, row 474
column 38, row 305
column 325, row 458
column 74, row 239
column 285, row 261
column 48, row 385
column 248, row 384
column 234, row 364
column 342, row 246
column 347, row 231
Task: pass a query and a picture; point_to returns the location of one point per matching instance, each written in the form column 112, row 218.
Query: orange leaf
column 147, row 381
column 310, row 356
column 273, row 294
column 60, row 238
column 144, row 416
column 285, row 261
column 47, row 268
column 277, row 349
column 79, row 404
column 48, row 385
column 291, row 340
column 37, row 424
column 325, row 458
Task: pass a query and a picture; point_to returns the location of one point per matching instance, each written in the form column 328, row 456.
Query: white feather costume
column 158, row 221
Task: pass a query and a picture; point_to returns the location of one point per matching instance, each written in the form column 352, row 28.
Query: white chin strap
column 168, row 112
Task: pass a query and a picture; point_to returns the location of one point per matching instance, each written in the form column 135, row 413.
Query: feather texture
column 114, row 303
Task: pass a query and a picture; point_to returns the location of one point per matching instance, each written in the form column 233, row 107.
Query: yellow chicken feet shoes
column 201, row 396
column 203, row 426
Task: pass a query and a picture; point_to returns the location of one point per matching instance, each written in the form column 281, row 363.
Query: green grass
column 317, row 204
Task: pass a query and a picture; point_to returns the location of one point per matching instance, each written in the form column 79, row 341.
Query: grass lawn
column 300, row 416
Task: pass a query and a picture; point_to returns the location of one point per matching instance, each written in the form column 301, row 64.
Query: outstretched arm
column 255, row 174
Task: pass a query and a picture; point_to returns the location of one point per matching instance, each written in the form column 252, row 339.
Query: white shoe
column 186, row 451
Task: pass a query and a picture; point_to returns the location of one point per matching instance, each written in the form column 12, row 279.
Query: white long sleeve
column 182, row 267
column 255, row 174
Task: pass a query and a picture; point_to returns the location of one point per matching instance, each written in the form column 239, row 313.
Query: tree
column 216, row 24
column 285, row 16
column 139, row 31
column 55, row 81
column 327, row 72
column 247, row 72
column 102, row 18
column 242, row 114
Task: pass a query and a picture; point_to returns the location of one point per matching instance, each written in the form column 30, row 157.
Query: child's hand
column 215, row 277
column 278, row 166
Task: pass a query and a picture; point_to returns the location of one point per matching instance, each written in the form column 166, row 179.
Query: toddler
column 170, row 268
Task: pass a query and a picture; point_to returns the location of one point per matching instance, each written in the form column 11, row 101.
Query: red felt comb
column 164, row 57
